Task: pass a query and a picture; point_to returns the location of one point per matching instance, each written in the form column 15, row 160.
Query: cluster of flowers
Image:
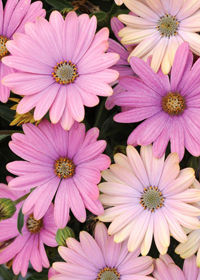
column 61, row 65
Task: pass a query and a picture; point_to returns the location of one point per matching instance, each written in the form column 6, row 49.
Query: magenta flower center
column 65, row 72
column 3, row 49
column 108, row 274
column 64, row 168
column 168, row 25
column 33, row 225
column 173, row 103
column 152, row 198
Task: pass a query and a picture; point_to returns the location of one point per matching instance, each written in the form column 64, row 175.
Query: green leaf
column 5, row 133
column 5, row 273
column 101, row 16
column 59, row 4
column 6, row 113
column 20, row 221
column 113, row 10
column 3, row 136
column 39, row 276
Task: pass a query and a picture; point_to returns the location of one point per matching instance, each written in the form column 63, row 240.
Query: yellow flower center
column 152, row 199
column 64, row 168
column 33, row 225
column 65, row 72
column 168, row 25
column 108, row 274
column 3, row 49
column 173, row 103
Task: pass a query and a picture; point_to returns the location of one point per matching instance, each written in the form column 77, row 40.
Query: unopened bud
column 63, row 234
column 7, row 208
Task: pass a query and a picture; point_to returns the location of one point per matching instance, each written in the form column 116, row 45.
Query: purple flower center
column 64, row 168
column 152, row 198
column 33, row 225
column 173, row 103
column 65, row 72
column 108, row 274
column 3, row 49
column 168, row 25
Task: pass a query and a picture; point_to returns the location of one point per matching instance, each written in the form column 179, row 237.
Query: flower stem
column 21, row 198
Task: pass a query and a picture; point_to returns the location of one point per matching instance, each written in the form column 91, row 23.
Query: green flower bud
column 7, row 208
column 63, row 234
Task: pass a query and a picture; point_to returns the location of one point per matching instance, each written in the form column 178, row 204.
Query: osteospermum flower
column 165, row 268
column 13, row 19
column 159, row 28
column 192, row 245
column 28, row 246
column 63, row 67
column 149, row 198
column 100, row 258
column 64, row 164
column 171, row 109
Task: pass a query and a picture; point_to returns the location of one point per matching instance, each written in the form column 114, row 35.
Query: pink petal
column 75, row 103
column 70, row 35
column 61, row 211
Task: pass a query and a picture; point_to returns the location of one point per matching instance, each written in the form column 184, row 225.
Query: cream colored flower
column 160, row 27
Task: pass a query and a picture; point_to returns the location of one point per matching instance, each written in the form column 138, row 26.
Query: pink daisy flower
column 12, row 19
column 100, row 258
column 64, row 164
column 161, row 26
column 166, row 269
column 30, row 245
column 63, row 67
column 147, row 202
column 122, row 65
column 171, row 109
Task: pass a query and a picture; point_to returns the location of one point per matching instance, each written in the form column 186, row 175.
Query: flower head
column 28, row 246
column 160, row 28
column 148, row 198
column 172, row 107
column 63, row 66
column 64, row 164
column 13, row 19
column 100, row 258
column 165, row 268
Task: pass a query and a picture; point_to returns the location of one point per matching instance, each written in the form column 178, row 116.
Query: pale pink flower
column 100, row 258
column 28, row 246
column 64, row 164
column 13, row 19
column 149, row 197
column 170, row 108
column 160, row 27
column 166, row 269
column 63, row 67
